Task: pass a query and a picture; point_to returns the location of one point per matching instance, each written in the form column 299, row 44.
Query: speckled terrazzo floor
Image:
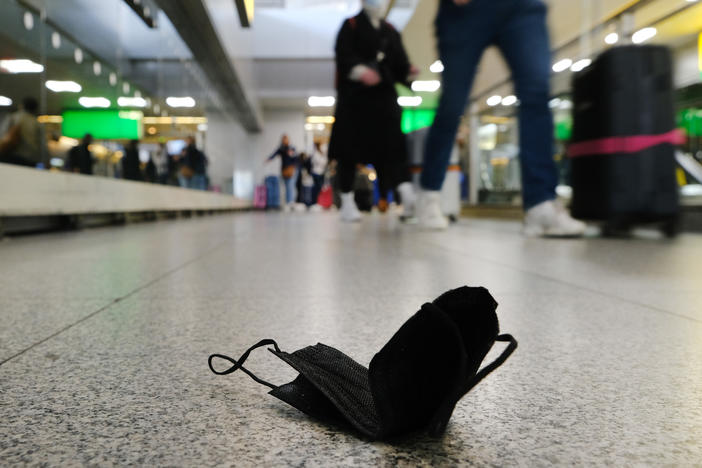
column 104, row 338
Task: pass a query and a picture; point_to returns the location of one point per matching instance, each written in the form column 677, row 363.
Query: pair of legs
column 196, row 182
column 290, row 189
column 518, row 28
column 317, row 187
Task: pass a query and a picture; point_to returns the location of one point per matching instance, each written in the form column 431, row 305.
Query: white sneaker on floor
column 349, row 211
column 287, row 208
column 408, row 199
column 551, row 219
column 429, row 211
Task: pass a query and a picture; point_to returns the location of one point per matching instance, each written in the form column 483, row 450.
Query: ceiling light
column 409, row 101
column 426, row 86
column 566, row 104
column 78, row 56
column 581, row 65
column 315, row 119
column 124, row 101
column 321, row 127
column 64, row 86
column 97, row 68
column 94, row 102
column 437, row 67
column 28, row 21
column 553, row 103
column 509, row 100
column 321, row 101
column 186, row 101
column 562, row 65
column 125, row 87
column 5, row 101
column 55, row 40
column 612, row 38
column 642, row 35
column 494, row 100
column 202, row 127
column 20, row 66
column 157, row 109
column 309, row 127
column 113, row 79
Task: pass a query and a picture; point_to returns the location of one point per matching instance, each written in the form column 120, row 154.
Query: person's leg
column 317, row 188
column 290, row 190
column 524, row 42
column 346, row 174
column 460, row 58
column 182, row 181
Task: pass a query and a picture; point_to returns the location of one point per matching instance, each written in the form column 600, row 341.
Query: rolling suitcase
column 622, row 149
column 272, row 192
column 260, row 197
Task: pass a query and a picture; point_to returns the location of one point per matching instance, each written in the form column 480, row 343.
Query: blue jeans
column 196, row 182
column 518, row 29
column 290, row 189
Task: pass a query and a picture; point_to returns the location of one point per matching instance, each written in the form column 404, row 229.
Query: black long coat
column 368, row 126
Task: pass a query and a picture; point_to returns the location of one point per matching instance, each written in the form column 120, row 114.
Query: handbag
column 187, row 172
column 288, row 172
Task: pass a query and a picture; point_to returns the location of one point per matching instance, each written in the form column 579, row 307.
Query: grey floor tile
column 596, row 380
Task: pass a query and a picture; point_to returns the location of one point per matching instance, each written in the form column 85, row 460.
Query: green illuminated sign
column 107, row 124
column 416, row 119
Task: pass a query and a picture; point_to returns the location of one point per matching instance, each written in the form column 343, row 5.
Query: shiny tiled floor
column 104, row 338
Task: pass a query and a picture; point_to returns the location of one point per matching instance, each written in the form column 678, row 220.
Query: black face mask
column 412, row 384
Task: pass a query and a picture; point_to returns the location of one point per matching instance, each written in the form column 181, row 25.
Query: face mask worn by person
column 412, row 384
column 376, row 9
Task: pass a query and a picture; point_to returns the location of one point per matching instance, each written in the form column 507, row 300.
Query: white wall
column 686, row 65
column 228, row 148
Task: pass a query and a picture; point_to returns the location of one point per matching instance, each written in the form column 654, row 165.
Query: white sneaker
column 287, row 208
column 349, row 210
column 429, row 211
column 551, row 219
column 408, row 198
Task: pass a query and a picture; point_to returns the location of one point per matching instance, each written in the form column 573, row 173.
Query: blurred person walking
column 160, row 165
column 370, row 60
column 319, row 163
column 465, row 28
column 131, row 166
column 80, row 159
column 193, row 167
column 289, row 172
column 24, row 142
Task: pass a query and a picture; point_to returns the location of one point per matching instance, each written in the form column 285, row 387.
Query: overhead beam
column 193, row 23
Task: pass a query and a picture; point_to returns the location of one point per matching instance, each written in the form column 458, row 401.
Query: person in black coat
column 370, row 60
column 131, row 169
column 80, row 159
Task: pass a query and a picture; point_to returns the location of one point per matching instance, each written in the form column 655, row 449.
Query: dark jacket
column 131, row 169
column 81, row 158
column 368, row 119
column 195, row 160
column 287, row 155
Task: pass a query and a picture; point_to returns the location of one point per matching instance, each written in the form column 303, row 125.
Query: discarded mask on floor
column 412, row 384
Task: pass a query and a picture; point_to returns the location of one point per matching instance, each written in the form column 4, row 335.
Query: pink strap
column 627, row 144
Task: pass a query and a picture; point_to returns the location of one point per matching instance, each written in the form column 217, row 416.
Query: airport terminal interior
column 174, row 185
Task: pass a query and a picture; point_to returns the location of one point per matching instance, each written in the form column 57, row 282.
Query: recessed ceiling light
column 581, row 65
column 20, row 66
column 186, row 101
column 94, row 102
column 28, row 21
column 55, row 40
column 5, row 101
column 643, row 35
column 437, row 67
column 611, row 38
column 562, row 65
column 64, row 86
column 409, row 101
column 97, row 68
column 494, row 100
column 321, row 101
column 426, row 86
column 509, row 100
column 125, row 101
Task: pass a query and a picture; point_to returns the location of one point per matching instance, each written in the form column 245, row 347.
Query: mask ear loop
column 236, row 365
column 485, row 371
